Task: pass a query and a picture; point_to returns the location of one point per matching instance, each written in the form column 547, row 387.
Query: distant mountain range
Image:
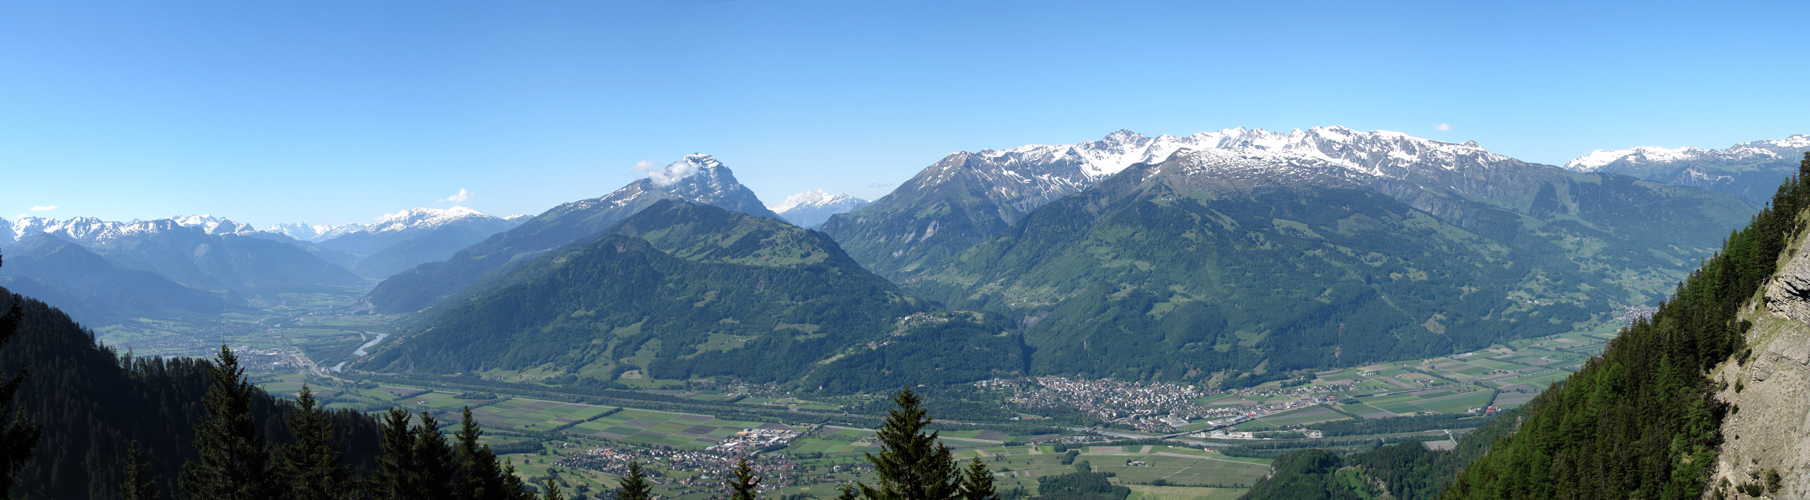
column 109, row 271
column 1231, row 259
column 1751, row 170
column 810, row 209
column 695, row 178
column 93, row 289
column 1178, row 257
column 1236, row 256
column 201, row 252
column 406, row 239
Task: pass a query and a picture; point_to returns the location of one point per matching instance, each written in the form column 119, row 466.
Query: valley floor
column 579, row 438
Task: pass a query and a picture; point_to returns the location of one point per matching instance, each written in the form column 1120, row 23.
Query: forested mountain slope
column 696, row 178
column 1647, row 418
column 1224, row 260
column 676, row 291
column 92, row 404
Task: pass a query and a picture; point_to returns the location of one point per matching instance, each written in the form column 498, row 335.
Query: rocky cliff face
column 1768, row 430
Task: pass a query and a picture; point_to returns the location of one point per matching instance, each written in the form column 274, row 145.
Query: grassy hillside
column 1181, row 271
column 676, row 291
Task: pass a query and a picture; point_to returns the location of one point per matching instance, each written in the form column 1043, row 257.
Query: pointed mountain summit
column 810, row 209
column 1751, row 170
column 696, row 178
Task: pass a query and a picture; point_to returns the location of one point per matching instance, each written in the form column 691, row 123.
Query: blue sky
column 334, row 112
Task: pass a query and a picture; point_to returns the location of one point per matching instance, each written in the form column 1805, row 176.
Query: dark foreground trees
column 18, row 435
column 417, row 460
column 235, row 461
column 913, row 465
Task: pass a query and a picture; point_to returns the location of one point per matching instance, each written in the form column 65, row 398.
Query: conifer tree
column 18, row 434
column 743, row 485
column 634, row 485
column 235, row 461
column 978, row 483
column 552, row 491
column 311, row 468
column 911, row 465
column 513, row 488
column 396, row 477
column 138, row 485
column 434, row 459
column 479, row 477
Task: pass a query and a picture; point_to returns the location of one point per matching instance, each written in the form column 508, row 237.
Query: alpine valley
column 1322, row 313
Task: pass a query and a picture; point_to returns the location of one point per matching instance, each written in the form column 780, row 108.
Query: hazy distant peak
column 423, row 218
column 811, row 208
column 1744, row 153
column 813, row 198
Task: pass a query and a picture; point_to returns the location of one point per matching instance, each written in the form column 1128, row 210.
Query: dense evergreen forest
column 1640, row 421
column 94, row 402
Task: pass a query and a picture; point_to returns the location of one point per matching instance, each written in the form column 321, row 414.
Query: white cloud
column 43, row 208
column 881, row 185
column 461, row 197
column 1443, row 127
column 674, row 172
column 645, row 165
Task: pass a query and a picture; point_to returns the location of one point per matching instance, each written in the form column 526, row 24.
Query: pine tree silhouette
column 235, row 461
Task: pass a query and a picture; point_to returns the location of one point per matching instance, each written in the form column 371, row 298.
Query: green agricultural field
column 1304, row 416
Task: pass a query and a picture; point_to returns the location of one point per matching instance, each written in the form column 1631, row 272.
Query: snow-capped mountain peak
column 305, row 231
column 90, row 231
column 812, row 198
column 1378, row 152
column 811, row 208
column 211, row 224
column 422, row 218
column 1641, row 154
column 1788, row 148
column 688, row 166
